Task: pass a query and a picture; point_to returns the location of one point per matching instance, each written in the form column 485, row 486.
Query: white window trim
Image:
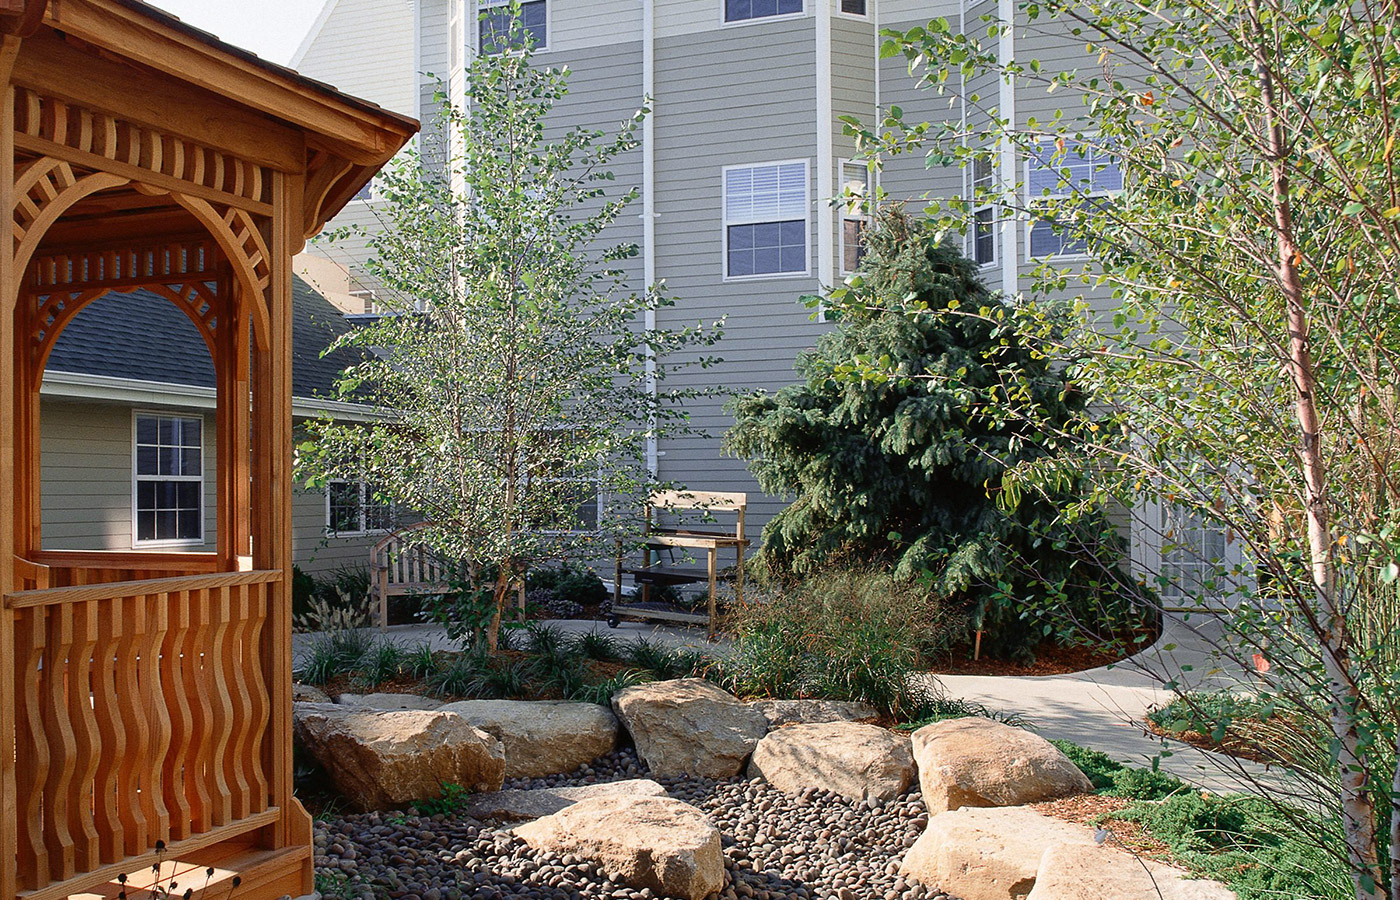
column 859, row 17
column 845, row 214
column 362, row 531
column 1033, row 201
column 970, row 241
column 136, row 479
column 754, row 20
column 482, row 5
column 724, row 222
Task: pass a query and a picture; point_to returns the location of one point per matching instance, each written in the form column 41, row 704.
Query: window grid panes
column 743, row 10
column 765, row 213
column 1070, row 172
column 498, row 31
column 169, row 475
column 855, row 193
column 1193, row 555
column 352, row 507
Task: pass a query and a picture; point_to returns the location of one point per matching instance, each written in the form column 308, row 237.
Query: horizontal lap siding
column 728, row 96
column 365, row 49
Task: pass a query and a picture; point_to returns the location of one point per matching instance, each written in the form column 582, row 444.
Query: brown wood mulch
column 1234, row 744
column 1095, row 811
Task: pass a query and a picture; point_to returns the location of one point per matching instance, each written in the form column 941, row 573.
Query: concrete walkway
column 1100, row 708
column 1103, row 708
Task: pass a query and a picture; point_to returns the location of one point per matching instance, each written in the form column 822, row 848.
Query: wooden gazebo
column 145, row 708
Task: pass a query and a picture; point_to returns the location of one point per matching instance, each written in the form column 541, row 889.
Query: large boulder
column 543, row 737
column 644, row 842
column 307, row 693
column 689, row 727
column 1076, row 872
column 388, row 701
column 807, row 712
column 521, row 806
column 979, row 762
column 853, row 760
column 988, row 854
column 381, row 759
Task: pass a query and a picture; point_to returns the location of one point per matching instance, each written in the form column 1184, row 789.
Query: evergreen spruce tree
column 894, row 443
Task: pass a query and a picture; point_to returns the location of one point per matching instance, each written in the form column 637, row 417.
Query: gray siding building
column 740, row 159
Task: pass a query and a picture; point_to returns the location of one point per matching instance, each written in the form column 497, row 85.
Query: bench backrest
column 399, row 566
column 710, row 501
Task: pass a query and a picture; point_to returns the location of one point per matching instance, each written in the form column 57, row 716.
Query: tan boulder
column 1076, row 872
column 850, row 759
column 780, row 713
column 543, row 737
column 307, row 693
column 978, row 762
column 381, row 759
column 988, row 854
column 388, row 701
column 689, row 727
column 645, row 842
column 519, row 806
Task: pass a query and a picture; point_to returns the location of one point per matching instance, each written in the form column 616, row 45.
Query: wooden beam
column 48, row 148
column 9, row 292
column 356, row 130
column 46, row 65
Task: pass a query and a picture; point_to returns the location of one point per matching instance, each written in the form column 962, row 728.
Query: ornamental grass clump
column 847, row 634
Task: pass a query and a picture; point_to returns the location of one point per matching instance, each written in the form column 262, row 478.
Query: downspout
column 1006, row 104
column 826, row 238
column 649, row 212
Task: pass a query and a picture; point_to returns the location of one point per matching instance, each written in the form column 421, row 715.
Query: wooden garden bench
column 399, row 567
column 659, row 540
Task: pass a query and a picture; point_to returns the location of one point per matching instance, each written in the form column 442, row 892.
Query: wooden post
column 9, row 289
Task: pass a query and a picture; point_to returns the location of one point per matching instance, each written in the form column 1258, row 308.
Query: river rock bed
column 814, row 846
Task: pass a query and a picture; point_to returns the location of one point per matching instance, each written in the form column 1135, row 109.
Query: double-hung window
column 499, row 30
column 855, row 213
column 352, row 507
column 168, row 475
column 766, row 213
column 744, row 10
column 982, row 235
column 1067, row 174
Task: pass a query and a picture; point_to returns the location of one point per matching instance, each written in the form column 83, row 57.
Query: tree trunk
column 1357, row 804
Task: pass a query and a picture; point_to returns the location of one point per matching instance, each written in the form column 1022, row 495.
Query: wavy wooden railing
column 142, row 709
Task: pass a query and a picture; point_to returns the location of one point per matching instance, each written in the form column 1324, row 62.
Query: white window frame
column 137, row 478
column 859, row 17
column 970, row 243
column 1034, row 200
column 483, row 5
column 847, row 215
column 739, row 23
column 1151, row 530
column 364, row 493
column 725, row 222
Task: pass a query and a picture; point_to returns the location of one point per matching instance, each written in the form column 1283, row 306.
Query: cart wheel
column 614, row 621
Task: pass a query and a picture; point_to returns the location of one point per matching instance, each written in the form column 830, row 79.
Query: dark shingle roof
column 145, row 337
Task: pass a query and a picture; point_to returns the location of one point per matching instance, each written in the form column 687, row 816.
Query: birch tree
column 1247, row 360
column 517, row 382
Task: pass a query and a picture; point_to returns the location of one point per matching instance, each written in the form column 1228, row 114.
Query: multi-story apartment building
column 741, row 157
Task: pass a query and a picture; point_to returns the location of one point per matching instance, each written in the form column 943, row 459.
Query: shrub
column 599, row 646
column 569, row 583
column 335, row 653
column 448, row 803
column 504, row 679
column 602, row 692
column 382, row 662
column 460, row 677
column 421, row 662
column 548, row 640
column 303, row 590
column 908, row 469
column 847, row 634
column 648, row 655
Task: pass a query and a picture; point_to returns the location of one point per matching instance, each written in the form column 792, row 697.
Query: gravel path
column 816, row 846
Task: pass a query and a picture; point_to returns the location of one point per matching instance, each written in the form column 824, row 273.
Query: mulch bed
column 1233, row 744
column 1095, row 810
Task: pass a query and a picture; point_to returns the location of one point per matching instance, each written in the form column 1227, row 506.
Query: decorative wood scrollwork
column 110, row 138
column 44, row 189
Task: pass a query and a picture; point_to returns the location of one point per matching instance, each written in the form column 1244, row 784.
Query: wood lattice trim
column 44, row 189
column 53, row 312
column 111, row 138
column 166, row 262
